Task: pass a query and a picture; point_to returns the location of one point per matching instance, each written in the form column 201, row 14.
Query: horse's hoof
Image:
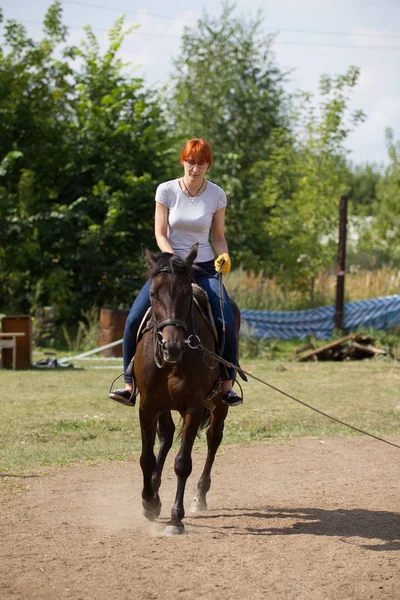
column 151, row 513
column 198, row 506
column 174, row 530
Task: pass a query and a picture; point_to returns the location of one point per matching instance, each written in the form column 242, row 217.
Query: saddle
column 200, row 298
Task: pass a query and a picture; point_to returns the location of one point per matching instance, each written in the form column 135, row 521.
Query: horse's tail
column 205, row 422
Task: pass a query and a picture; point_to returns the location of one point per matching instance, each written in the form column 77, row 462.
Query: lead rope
column 218, row 276
column 317, row 410
column 221, row 304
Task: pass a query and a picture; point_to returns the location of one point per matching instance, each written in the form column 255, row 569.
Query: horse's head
column 171, row 299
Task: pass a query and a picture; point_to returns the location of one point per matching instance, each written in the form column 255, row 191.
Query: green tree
column 304, row 179
column 363, row 181
column 383, row 236
column 34, row 114
column 227, row 89
column 84, row 146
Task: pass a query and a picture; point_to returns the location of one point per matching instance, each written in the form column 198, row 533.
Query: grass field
column 57, row 417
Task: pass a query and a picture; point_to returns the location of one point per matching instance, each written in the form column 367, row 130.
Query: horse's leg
column 166, row 430
column 214, row 438
column 150, row 498
column 183, row 468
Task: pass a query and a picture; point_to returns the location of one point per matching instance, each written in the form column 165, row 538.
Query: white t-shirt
column 189, row 219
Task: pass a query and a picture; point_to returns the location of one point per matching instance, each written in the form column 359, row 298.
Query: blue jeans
column 211, row 286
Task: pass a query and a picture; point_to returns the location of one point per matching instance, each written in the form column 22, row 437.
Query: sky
column 312, row 37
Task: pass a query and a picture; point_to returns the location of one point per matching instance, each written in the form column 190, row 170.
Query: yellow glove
column 227, row 264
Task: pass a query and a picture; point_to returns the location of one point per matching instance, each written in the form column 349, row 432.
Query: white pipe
column 69, row 358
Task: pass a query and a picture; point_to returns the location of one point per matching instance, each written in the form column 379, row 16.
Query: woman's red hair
column 198, row 150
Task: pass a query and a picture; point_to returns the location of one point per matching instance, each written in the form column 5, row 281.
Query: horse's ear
column 148, row 256
column 191, row 256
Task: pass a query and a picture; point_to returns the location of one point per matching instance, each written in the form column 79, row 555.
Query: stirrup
column 135, row 390
column 124, row 396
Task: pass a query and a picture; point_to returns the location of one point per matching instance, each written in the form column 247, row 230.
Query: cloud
column 152, row 48
column 154, row 45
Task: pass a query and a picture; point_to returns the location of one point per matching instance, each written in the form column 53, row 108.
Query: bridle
column 158, row 338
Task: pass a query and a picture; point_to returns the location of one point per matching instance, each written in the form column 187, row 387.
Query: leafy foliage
column 227, row 89
column 384, row 235
column 83, row 148
column 363, row 181
column 84, row 145
column 303, row 181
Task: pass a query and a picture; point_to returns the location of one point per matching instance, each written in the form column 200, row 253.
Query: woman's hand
column 225, row 261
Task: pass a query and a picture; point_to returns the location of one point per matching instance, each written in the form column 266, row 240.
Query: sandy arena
column 306, row 519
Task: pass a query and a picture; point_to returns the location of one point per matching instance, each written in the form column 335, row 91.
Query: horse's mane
column 167, row 262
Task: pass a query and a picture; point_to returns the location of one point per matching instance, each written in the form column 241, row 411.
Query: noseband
column 176, row 322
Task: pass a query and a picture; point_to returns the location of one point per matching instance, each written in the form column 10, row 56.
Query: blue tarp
column 377, row 313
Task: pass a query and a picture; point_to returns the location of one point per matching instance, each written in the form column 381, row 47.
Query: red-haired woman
column 187, row 209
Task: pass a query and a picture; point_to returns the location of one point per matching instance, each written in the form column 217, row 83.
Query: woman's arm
column 161, row 228
column 218, row 232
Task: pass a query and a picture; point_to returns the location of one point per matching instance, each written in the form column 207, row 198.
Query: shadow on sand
column 342, row 523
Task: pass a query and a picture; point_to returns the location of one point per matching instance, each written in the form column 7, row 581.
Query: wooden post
column 341, row 264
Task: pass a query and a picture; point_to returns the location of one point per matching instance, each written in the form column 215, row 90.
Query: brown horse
column 171, row 375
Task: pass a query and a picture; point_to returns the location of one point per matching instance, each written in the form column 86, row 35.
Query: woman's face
column 194, row 169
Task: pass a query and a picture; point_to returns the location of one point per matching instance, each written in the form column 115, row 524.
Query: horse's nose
column 173, row 351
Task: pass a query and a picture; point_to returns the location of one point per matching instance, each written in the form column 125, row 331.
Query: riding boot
column 123, row 395
column 129, row 372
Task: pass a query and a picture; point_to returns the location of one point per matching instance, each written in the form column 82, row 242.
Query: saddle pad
column 201, row 299
column 143, row 324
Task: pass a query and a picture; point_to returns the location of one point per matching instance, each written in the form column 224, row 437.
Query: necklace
column 189, row 194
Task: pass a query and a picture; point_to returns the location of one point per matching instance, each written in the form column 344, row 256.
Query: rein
column 221, row 302
column 208, row 352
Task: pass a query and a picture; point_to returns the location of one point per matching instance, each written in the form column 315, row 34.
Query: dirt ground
column 305, row 519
